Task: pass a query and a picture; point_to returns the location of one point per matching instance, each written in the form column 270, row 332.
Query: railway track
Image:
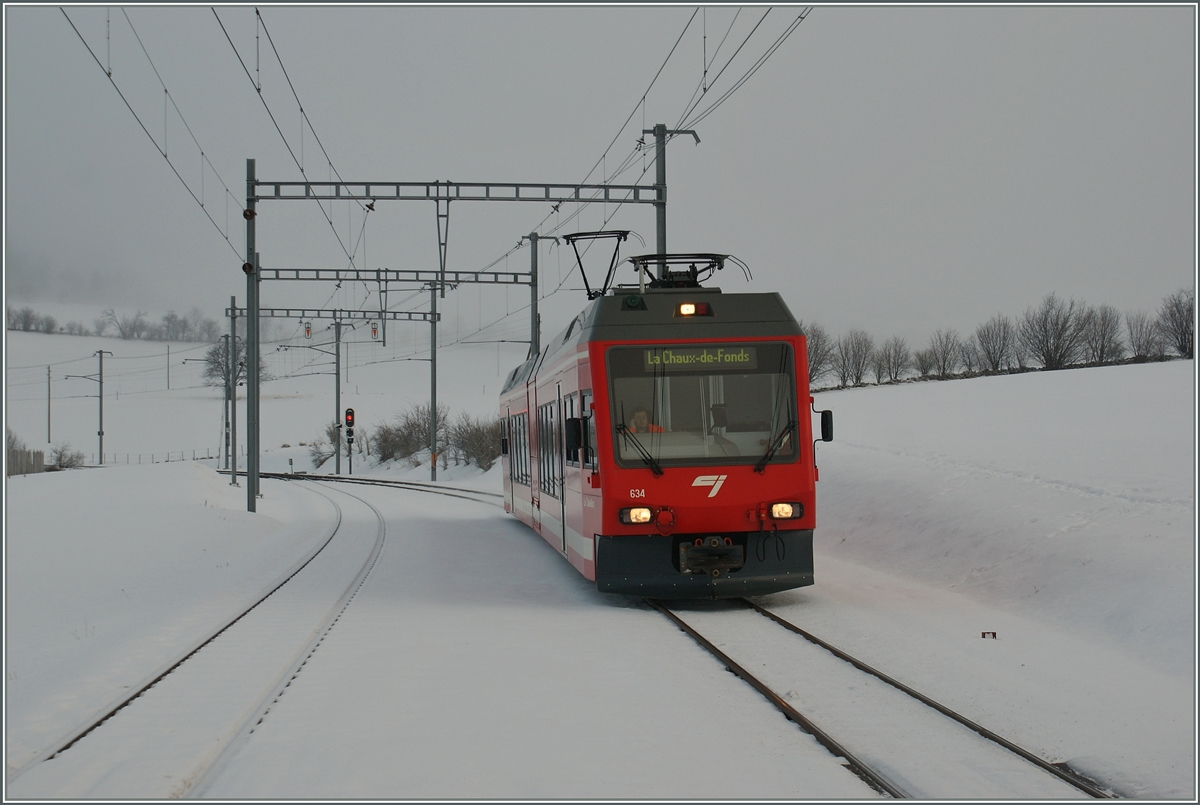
column 65, row 742
column 172, row 733
column 416, row 486
column 877, row 718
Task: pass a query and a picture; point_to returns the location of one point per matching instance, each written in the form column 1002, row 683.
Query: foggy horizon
column 891, row 169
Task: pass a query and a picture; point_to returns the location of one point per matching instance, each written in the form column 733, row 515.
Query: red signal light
column 308, row 329
column 349, row 417
column 374, row 330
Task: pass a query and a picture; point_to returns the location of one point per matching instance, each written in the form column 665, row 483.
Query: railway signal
column 308, row 329
column 350, row 438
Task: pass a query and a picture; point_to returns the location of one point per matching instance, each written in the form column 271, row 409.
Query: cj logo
column 714, row 481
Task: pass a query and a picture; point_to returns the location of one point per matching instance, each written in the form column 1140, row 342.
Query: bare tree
column 1175, row 321
column 63, row 457
column 1101, row 334
column 820, row 350
column 208, row 330
column 320, row 450
column 896, row 357
column 1020, row 355
column 193, row 323
column 1145, row 342
column 477, row 439
column 878, row 365
column 997, row 340
column 100, row 325
column 12, row 441
column 173, row 327
column 1051, row 334
column 127, row 327
column 216, row 366
column 408, row 433
column 997, row 343
column 968, row 354
column 944, row 348
column 923, row 361
column 47, row 323
column 853, row 356
column 27, row 319
column 11, row 317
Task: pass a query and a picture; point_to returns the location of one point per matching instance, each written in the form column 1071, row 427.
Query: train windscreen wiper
column 776, row 443
column 647, row 458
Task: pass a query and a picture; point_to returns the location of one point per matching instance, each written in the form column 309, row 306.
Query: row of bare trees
column 192, row 326
column 467, row 440
column 1053, row 335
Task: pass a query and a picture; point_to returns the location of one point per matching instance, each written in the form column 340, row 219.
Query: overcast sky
column 895, row 169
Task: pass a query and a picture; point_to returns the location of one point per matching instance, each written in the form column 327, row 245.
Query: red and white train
column 662, row 442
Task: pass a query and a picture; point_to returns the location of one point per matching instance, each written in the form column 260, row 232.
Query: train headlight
column 693, row 309
column 787, row 511
column 636, row 515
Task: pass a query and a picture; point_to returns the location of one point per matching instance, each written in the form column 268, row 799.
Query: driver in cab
column 639, row 422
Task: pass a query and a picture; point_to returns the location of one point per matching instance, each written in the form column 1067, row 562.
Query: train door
column 535, row 450
column 550, row 468
column 509, row 491
column 571, row 490
column 559, row 470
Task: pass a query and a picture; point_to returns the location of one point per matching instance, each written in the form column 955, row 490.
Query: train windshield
column 693, row 404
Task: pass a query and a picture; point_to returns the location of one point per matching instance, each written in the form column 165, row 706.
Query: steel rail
column 204, row 779
column 1060, row 770
column 78, row 733
column 415, row 486
column 868, row 775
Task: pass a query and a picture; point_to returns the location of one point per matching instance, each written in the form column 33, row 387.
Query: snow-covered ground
column 1056, row 509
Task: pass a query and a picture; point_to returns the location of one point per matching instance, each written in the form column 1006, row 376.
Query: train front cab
column 720, row 517
column 716, row 497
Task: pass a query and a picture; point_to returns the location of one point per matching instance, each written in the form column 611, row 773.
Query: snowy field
column 1055, row 509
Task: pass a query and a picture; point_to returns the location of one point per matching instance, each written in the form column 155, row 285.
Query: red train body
column 714, row 496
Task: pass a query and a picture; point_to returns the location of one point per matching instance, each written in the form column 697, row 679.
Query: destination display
column 682, row 359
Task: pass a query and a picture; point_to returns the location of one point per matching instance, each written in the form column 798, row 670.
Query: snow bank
column 111, row 573
column 1066, row 496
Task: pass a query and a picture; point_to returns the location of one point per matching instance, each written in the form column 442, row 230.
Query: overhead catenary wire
column 274, row 122
column 703, row 86
column 161, row 150
column 752, row 70
column 624, row 165
column 708, row 110
column 304, row 119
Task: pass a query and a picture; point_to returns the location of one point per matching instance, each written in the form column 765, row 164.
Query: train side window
column 589, row 417
column 570, row 414
column 548, row 448
column 519, row 449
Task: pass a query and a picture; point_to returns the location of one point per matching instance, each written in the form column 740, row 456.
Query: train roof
column 628, row 313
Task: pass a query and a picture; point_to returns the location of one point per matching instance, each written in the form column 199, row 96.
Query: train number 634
column 637, row 493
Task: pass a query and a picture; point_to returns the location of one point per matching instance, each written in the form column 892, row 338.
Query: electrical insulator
column 374, row 330
column 308, row 329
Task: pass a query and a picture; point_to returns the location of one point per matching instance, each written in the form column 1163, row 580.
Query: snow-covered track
column 1061, row 770
column 68, row 740
column 415, row 486
column 169, row 735
column 865, row 772
column 201, row 779
column 904, row 743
